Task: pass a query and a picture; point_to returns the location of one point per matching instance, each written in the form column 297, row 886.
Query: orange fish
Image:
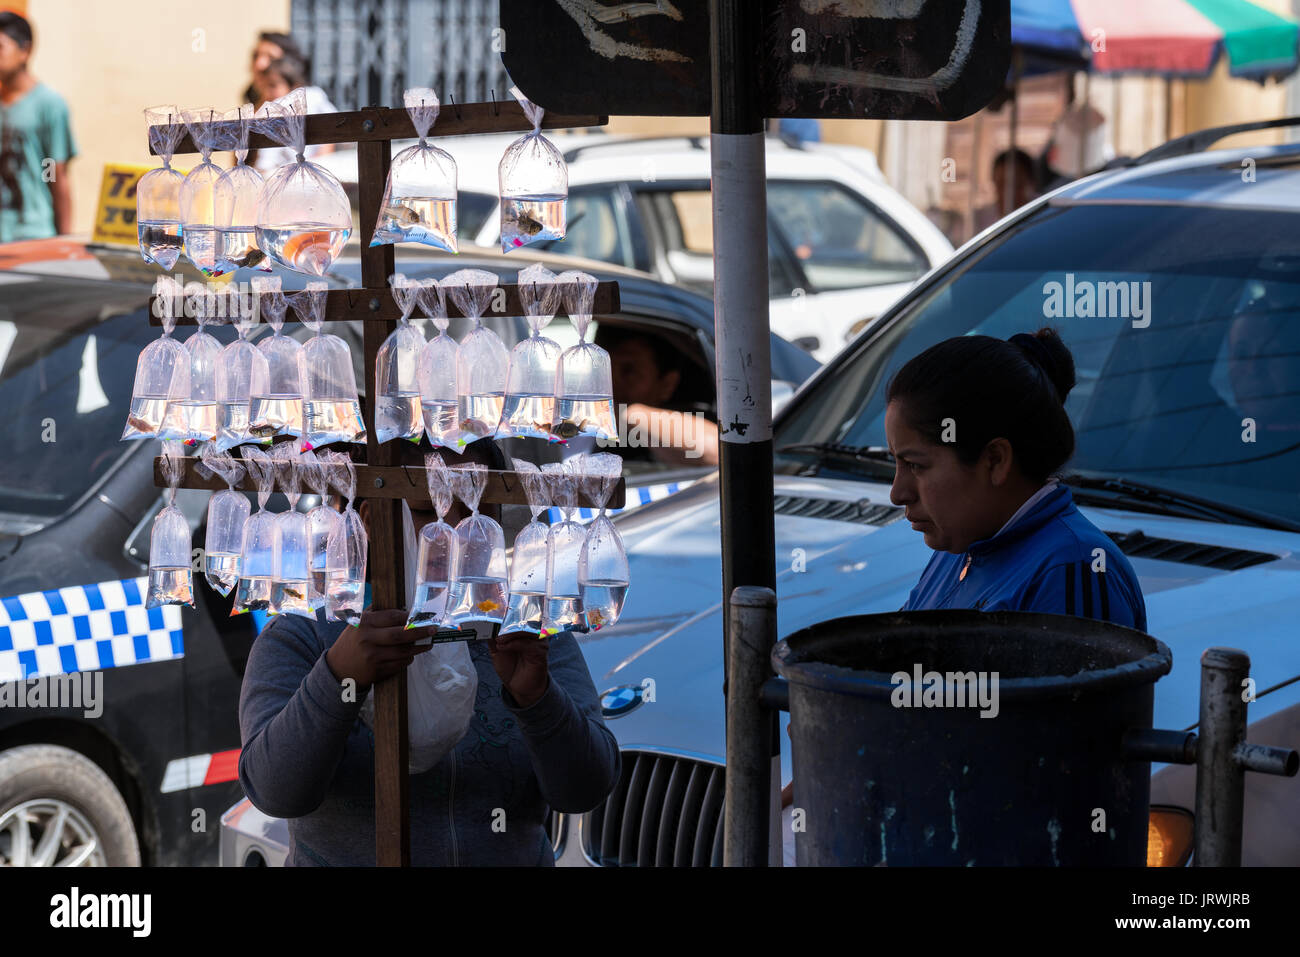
column 487, row 605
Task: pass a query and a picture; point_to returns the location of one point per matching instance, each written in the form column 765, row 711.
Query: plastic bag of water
column 322, row 520
column 439, row 391
column 209, row 131
column 304, row 217
column 171, row 580
column 419, row 204
column 277, row 409
column 235, row 200
column 290, row 577
column 563, row 608
column 158, row 192
column 228, row 510
column 436, row 555
column 260, row 541
column 528, row 559
column 602, row 565
column 534, row 185
column 529, row 408
column 346, row 581
column 397, row 411
column 478, row 588
column 195, row 417
column 242, row 372
column 481, row 360
column 162, row 370
column 585, row 384
column 331, row 409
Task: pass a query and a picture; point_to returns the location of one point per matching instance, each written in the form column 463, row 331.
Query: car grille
column 836, row 510
column 1137, row 545
column 666, row 811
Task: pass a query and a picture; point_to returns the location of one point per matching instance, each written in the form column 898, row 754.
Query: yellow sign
column 115, row 216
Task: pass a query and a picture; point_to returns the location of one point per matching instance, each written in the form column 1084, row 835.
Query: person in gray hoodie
column 536, row 742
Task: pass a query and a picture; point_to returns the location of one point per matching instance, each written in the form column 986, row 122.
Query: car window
column 65, row 385
column 472, row 211
column 1189, row 378
column 839, row 240
column 598, row 227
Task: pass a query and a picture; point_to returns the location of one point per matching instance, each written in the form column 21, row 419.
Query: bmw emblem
column 619, row 701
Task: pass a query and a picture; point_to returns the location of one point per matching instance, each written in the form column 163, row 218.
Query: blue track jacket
column 1044, row 562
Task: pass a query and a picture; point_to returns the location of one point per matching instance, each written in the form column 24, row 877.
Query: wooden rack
column 373, row 130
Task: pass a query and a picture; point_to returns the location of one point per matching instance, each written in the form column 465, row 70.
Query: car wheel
column 59, row 809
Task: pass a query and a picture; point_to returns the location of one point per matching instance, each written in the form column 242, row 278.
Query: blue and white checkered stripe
column 636, row 496
column 85, row 628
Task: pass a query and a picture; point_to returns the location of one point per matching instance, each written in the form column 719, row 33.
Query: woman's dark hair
column 17, row 29
column 291, row 68
column 993, row 388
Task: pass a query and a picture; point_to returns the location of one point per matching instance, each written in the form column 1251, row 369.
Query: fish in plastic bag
column 534, row 184
column 419, row 204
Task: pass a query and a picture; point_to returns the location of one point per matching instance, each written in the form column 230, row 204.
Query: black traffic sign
column 848, row 59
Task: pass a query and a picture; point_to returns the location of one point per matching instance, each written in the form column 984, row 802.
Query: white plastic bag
column 419, row 204
column 534, row 184
column 529, row 409
column 397, row 411
column 440, row 687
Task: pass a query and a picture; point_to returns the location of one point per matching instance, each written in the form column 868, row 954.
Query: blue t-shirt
column 35, row 134
column 1051, row 560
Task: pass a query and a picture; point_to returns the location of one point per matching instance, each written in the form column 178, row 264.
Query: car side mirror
column 808, row 343
column 136, row 546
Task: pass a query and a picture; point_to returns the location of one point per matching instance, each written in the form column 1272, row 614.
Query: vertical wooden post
column 385, row 563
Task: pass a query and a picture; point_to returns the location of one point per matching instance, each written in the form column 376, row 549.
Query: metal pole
column 1220, row 778
column 741, row 332
column 751, row 728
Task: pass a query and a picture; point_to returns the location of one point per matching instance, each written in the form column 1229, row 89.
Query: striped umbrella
column 1171, row 38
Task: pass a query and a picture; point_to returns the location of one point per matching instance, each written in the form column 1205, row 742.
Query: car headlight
column 1169, row 836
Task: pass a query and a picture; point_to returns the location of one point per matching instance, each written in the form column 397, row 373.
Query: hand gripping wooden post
column 373, row 131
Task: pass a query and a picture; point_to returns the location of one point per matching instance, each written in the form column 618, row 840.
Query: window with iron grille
column 366, row 52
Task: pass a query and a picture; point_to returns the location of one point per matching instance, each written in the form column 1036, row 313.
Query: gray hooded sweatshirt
column 308, row 757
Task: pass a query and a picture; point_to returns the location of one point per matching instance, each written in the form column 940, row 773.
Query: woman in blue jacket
column 978, row 428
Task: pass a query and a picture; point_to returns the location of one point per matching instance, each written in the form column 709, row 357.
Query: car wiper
column 1168, row 499
column 837, row 450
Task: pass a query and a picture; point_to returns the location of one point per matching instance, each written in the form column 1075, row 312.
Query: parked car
column 147, row 780
column 842, row 244
column 1187, row 416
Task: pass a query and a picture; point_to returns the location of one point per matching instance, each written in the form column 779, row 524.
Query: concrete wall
column 112, row 58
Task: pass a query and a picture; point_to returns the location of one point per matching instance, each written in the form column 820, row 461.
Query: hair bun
column 1046, row 350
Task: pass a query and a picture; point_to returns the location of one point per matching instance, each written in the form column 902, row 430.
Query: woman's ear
column 1000, row 459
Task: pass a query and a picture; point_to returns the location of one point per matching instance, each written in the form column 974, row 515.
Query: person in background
column 537, row 741
column 1025, row 187
column 270, row 46
column 280, row 65
column 35, row 143
column 647, row 374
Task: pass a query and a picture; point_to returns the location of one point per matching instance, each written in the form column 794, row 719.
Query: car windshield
column 1184, row 323
column 67, row 364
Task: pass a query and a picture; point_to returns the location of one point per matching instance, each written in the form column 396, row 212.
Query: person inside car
column 536, row 741
column 979, row 430
column 660, row 423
